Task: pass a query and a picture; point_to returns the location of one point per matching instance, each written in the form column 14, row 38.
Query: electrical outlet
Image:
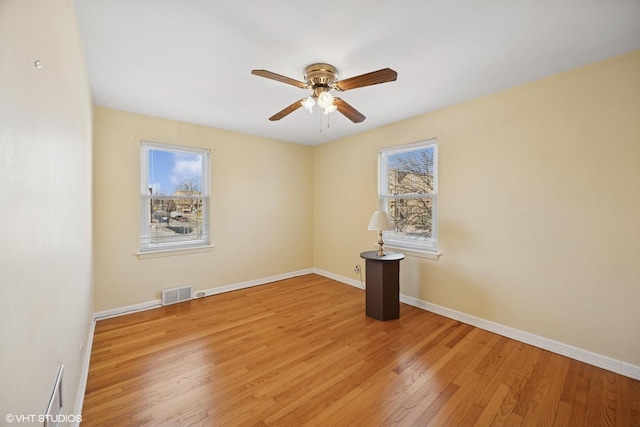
column 356, row 269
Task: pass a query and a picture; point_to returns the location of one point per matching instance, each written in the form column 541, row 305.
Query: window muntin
column 408, row 192
column 174, row 197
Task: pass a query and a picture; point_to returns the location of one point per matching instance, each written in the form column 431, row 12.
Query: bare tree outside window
column 188, row 186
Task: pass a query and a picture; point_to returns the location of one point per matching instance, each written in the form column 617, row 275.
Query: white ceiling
column 191, row 60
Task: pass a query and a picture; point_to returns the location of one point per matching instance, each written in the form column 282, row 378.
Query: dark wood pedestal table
column 383, row 284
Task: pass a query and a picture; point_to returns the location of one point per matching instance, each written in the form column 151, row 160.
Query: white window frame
column 146, row 244
column 426, row 247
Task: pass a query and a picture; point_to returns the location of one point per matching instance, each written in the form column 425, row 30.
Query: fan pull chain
column 328, row 121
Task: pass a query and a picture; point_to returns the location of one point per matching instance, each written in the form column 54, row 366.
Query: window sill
column 414, row 253
column 174, row 252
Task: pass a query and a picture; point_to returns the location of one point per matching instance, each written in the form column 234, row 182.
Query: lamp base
column 380, row 244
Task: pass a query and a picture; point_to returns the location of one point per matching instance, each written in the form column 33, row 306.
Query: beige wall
column 46, row 302
column 539, row 207
column 261, row 209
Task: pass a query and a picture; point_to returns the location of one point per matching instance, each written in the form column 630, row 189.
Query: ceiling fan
column 322, row 79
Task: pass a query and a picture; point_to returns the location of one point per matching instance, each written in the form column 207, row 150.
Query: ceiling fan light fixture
column 330, row 109
column 308, row 104
column 325, row 100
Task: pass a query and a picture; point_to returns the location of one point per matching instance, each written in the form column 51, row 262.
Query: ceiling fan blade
column 278, row 77
column 286, row 111
column 373, row 78
column 348, row 111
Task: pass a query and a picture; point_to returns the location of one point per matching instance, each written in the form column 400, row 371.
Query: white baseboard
column 604, row 362
column 100, row 315
column 338, row 278
column 257, row 282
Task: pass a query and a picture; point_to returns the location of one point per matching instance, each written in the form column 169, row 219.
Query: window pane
column 176, row 220
column 172, row 172
column 411, row 172
column 412, row 218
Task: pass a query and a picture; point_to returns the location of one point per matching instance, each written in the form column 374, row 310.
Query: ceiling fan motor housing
column 320, row 75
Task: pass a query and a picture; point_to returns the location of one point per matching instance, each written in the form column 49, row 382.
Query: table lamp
column 380, row 221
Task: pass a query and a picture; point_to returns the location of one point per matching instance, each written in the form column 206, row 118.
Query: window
column 408, row 191
column 174, row 197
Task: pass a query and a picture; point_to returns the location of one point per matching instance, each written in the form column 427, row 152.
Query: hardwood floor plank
column 623, row 405
column 514, row 420
column 376, row 401
column 472, row 385
column 495, row 357
column 498, row 370
column 579, row 402
column 634, row 400
column 333, row 406
column 454, row 410
column 608, row 399
column 563, row 414
column 593, row 415
column 570, row 383
column 515, row 379
column 437, row 405
column 471, row 417
column 549, row 405
column 491, row 409
column 302, row 352
column 530, row 384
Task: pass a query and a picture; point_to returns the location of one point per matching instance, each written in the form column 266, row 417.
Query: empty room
column 362, row 213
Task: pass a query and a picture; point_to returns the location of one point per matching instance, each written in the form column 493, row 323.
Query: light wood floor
column 302, row 352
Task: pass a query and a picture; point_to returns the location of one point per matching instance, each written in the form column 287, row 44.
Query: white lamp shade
column 308, row 104
column 325, row 99
column 330, row 109
column 380, row 220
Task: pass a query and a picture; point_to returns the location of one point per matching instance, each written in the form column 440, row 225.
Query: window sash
column 153, row 236
column 402, row 240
